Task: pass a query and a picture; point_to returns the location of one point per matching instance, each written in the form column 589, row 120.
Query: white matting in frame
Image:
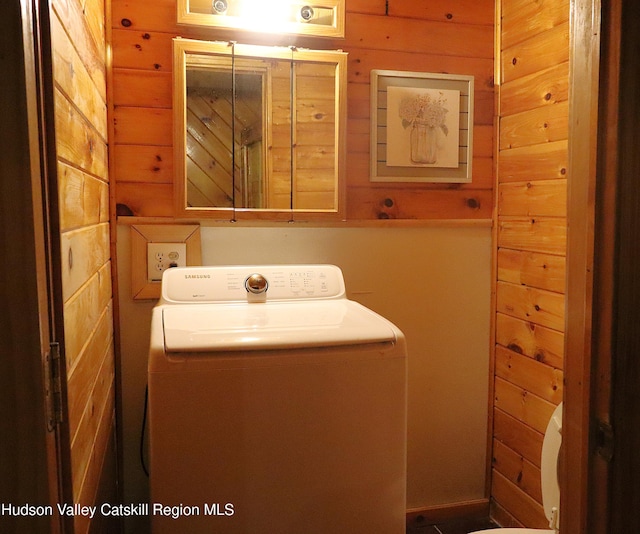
column 421, row 127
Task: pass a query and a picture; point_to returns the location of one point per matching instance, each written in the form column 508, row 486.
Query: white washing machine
column 276, row 405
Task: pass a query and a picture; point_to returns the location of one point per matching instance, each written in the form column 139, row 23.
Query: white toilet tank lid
column 549, row 463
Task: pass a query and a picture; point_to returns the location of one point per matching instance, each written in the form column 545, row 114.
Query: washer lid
column 278, row 325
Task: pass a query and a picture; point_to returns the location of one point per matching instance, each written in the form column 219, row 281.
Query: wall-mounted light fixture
column 220, row 7
column 324, row 18
column 306, row 13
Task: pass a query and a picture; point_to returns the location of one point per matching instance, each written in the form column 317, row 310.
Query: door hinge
column 53, row 385
column 605, row 440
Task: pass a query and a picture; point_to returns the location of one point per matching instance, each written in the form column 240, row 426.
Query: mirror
column 259, row 131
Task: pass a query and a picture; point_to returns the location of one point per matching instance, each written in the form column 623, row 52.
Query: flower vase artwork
column 425, row 132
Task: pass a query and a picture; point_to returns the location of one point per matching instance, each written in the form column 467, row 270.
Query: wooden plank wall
column 412, row 35
column 78, row 36
column 531, row 249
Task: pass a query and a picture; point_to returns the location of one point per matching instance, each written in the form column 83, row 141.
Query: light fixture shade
column 322, row 18
column 306, row 13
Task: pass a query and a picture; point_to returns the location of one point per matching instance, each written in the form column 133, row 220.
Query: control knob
column 256, row 284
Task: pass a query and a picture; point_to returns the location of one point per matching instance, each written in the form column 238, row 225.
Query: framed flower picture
column 421, row 127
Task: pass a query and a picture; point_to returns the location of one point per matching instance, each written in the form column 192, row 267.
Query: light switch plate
column 163, row 256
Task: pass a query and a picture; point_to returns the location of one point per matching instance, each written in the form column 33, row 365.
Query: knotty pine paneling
column 540, row 89
column 532, row 410
column 535, row 126
column 525, row 509
column 544, row 271
column 84, row 199
column 525, row 19
column 533, row 162
column 396, row 35
column 537, row 234
column 531, row 304
column 530, row 249
column 140, row 163
column 83, row 441
column 517, row 470
column 93, row 243
column 529, row 339
column 84, row 374
column 74, row 19
column 79, row 67
column 536, row 54
column 539, row 198
column 78, row 143
column 461, row 11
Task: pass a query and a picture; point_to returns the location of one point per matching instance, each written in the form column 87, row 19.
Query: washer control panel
column 276, row 282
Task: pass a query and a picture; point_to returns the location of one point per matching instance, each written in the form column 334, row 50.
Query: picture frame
column 421, row 127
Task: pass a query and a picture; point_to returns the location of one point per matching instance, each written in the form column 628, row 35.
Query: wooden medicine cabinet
column 259, row 131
